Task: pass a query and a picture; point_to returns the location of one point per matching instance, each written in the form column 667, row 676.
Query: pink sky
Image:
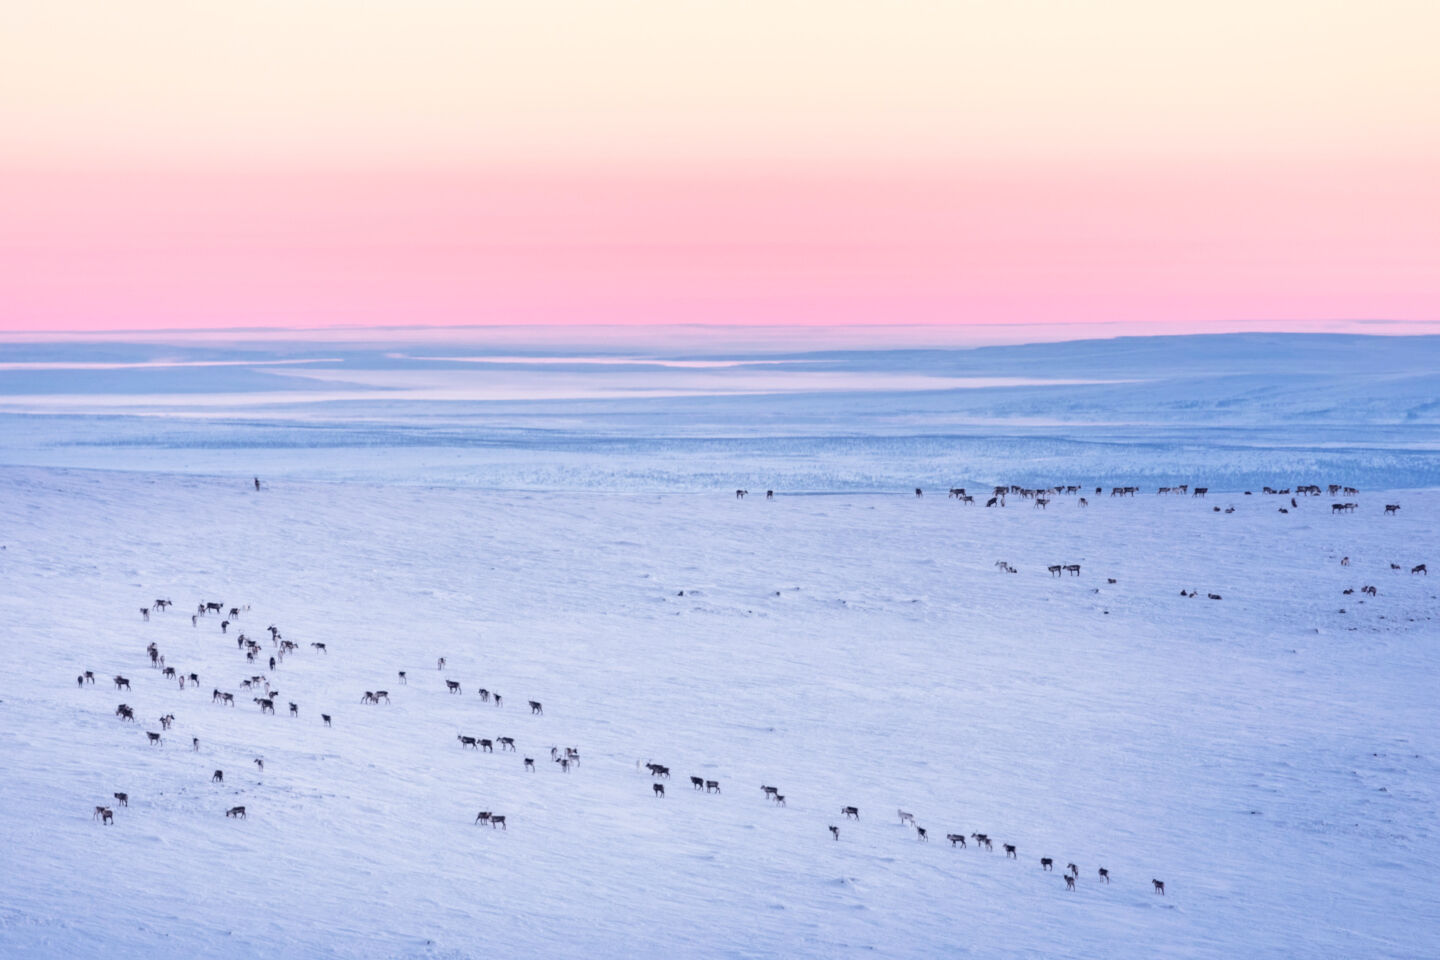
column 1117, row 166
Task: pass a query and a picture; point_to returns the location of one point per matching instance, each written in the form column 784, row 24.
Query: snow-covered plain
column 1274, row 760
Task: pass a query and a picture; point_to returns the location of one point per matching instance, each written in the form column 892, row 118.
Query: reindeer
column 453, row 686
column 104, row 815
column 535, row 707
column 1010, row 852
column 1104, row 875
column 1420, row 568
column 166, row 720
column 834, row 832
column 484, row 695
column 1083, row 502
column 769, row 791
column 1200, row 492
column 266, row 704
column 1370, row 590
column 483, row 816
column 294, row 709
column 382, row 695
column 154, row 737
column 237, row 812
column 955, row 838
column 403, row 681
column 89, row 676
column 982, row 840
column 1073, row 568
column 922, row 834
column 1392, row 509
column 497, row 699
column 125, row 712
column 124, row 798
column 506, row 742
column 213, row 607
column 1072, row 869
column 318, row 646
column 1046, row 863
column 698, row 783
column 145, row 612
column 530, row 764
column 658, row 770
column 712, row 786
column 326, row 718
column 906, row 818
column 498, row 821
column 466, row 741
column 850, row 813
column 218, row 776
column 740, row 494
column 1159, row 886
column 259, row 763
column 1055, row 569
column 1069, row 882
column 168, row 673
column 487, row 745
column 780, row 800
column 122, row 682
column 658, row 789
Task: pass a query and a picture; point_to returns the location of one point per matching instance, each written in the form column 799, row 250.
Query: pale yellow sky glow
column 361, row 82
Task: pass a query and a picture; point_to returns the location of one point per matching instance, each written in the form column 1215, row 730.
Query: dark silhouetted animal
column 238, row 812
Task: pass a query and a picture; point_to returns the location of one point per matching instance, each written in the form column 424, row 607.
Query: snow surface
column 1273, row 756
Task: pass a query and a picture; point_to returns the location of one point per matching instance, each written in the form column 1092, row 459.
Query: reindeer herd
column 265, row 694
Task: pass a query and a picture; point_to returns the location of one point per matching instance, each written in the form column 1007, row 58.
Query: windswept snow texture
column 1242, row 410
column 1272, row 755
column 1272, row 759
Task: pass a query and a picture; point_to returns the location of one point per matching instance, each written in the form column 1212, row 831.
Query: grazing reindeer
column 1069, row 882
column 955, row 838
column 104, row 815
column 237, row 812
column 564, row 764
column 453, row 686
column 1083, row 502
column 851, row 813
column 145, row 612
column 1370, row 590
column 90, row 676
column 326, row 718
column 922, row 834
column 1010, row 851
column 497, row 699
column 506, row 742
column 658, row 789
column 498, row 821
column 1104, row 874
column 982, row 840
column 711, row 786
column 698, row 783
column 780, row 800
column 125, row 712
column 294, row 709
column 835, row 832
column 484, row 695
column 1420, row 568
column 659, row 770
column 166, row 720
column 483, row 816
column 1047, row 863
column 369, row 697
column 124, row 798
column 906, row 818
column 535, row 707
column 382, row 695
column 1072, row 869
column 466, row 741
column 154, row 737
column 218, row 776
column 1159, row 886
column 530, row 764
column 266, row 704
column 769, row 791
